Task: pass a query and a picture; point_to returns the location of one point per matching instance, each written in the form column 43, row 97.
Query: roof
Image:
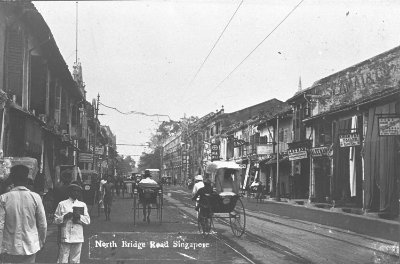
column 343, row 72
column 36, row 23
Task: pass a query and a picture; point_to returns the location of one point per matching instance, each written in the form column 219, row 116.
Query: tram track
column 265, row 243
column 284, row 250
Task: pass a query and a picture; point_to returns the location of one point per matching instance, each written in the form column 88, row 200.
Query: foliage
column 167, row 129
column 125, row 165
column 150, row 160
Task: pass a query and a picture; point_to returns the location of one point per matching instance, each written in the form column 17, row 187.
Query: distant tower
column 300, row 88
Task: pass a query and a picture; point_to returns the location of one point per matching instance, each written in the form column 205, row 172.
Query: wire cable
column 133, row 112
column 213, row 47
column 258, row 45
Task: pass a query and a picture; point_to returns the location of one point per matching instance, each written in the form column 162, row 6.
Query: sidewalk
column 335, row 217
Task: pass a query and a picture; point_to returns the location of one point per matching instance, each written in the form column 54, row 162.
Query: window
column 218, row 128
column 38, row 84
column 14, row 59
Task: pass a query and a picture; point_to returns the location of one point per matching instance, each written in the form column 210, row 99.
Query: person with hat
column 71, row 214
column 198, row 184
column 108, row 196
column 147, row 180
column 23, row 224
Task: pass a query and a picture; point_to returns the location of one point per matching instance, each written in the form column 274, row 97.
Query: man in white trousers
column 71, row 214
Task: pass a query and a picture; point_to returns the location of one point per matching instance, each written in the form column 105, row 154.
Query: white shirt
column 148, row 180
column 197, row 186
column 102, row 182
column 23, row 225
column 70, row 232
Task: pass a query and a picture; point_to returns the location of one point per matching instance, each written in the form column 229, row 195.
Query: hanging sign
column 297, row 154
column 215, row 152
column 321, row 151
column 349, row 140
column 389, row 126
column 99, row 151
column 265, row 149
column 238, row 142
column 85, row 157
column 184, row 157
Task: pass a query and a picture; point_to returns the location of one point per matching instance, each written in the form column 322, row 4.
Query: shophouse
column 275, row 133
column 172, row 158
column 353, row 116
column 44, row 113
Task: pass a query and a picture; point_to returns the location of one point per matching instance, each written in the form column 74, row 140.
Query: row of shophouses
column 44, row 113
column 335, row 143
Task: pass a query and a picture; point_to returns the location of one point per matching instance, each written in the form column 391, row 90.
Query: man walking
column 23, row 223
column 71, row 214
column 108, row 197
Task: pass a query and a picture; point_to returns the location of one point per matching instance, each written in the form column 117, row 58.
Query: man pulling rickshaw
column 223, row 199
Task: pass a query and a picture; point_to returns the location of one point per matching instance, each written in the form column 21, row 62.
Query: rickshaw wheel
column 204, row 221
column 237, row 219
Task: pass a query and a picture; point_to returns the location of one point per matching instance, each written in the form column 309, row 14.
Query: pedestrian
column 259, row 191
column 71, row 214
column 198, row 184
column 117, row 185
column 107, row 195
column 123, row 187
column 146, row 203
column 23, row 224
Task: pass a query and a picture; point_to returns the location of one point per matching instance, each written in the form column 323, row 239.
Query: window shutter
column 14, row 63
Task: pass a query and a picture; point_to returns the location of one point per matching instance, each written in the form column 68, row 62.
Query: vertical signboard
column 215, row 152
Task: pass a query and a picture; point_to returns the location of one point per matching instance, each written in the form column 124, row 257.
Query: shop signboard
column 85, row 157
column 215, row 152
column 265, row 149
column 325, row 151
column 297, row 154
column 99, row 151
column 184, row 157
column 239, row 142
column 349, row 140
column 389, row 126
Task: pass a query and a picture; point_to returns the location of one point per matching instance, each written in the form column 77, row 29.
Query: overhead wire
column 134, row 112
column 209, row 53
column 257, row 46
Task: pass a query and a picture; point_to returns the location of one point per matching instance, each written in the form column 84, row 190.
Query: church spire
column 300, row 88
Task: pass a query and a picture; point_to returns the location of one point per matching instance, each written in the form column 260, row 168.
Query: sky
column 143, row 55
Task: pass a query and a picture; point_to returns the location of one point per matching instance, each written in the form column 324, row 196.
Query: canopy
column 215, row 165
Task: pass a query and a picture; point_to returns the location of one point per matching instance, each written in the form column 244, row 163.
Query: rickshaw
column 145, row 193
column 225, row 201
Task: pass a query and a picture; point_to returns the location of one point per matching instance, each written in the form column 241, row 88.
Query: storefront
column 300, row 170
column 381, row 158
column 321, row 174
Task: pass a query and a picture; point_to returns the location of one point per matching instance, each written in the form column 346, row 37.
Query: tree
column 125, row 165
column 150, row 160
column 166, row 129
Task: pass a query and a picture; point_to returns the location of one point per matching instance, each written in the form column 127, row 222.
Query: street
column 269, row 238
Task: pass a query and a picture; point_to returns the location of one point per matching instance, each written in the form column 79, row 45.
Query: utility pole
column 95, row 132
column 278, row 195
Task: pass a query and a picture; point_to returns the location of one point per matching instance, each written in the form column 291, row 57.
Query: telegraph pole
column 278, row 195
column 95, row 132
